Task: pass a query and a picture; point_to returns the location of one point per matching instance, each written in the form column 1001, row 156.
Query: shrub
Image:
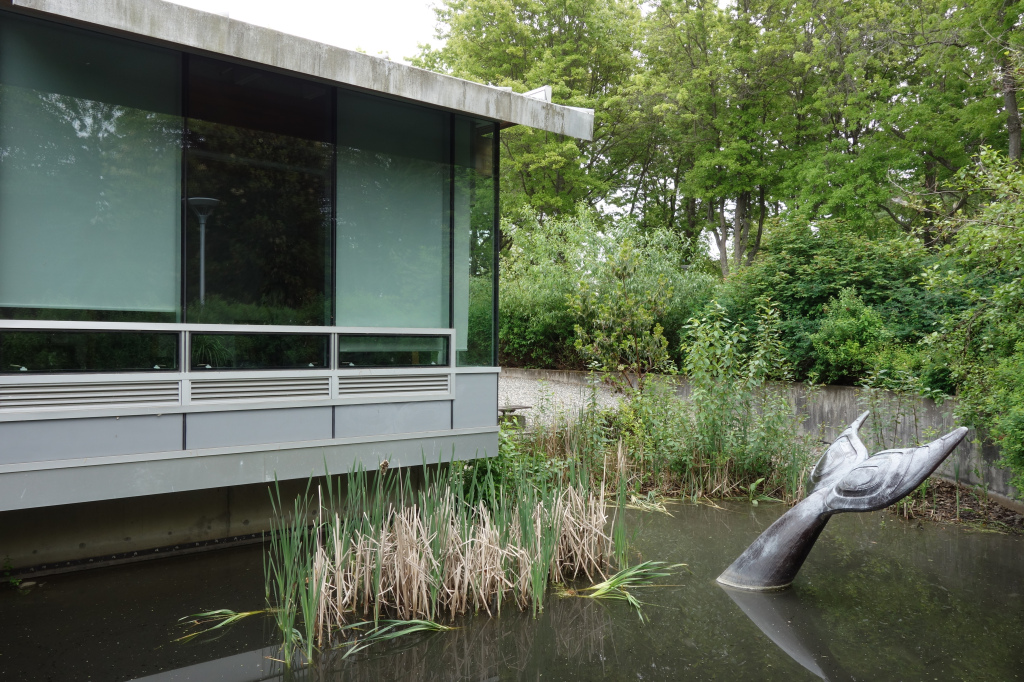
column 849, row 338
column 550, row 261
column 804, row 267
column 617, row 310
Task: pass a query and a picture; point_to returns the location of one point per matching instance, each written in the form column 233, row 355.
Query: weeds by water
column 368, row 633
column 618, row 586
column 388, row 558
column 211, row 621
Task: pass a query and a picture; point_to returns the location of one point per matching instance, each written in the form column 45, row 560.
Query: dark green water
column 879, row 599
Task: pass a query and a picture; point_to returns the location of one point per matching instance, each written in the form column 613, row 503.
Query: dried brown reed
column 435, row 554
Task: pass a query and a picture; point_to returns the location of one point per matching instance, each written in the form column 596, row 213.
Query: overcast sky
column 391, row 27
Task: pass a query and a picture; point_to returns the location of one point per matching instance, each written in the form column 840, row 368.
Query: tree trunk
column 1012, row 110
column 1009, row 87
column 721, row 237
column 741, row 228
column 760, row 225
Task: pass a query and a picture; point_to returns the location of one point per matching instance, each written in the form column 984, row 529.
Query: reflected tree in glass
column 259, row 144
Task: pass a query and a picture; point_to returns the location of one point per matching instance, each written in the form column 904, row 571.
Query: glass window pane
column 392, row 351
column 259, row 351
column 22, row 352
column 259, row 197
column 474, row 240
column 90, row 176
column 393, row 205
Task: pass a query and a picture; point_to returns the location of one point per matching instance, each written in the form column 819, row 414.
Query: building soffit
column 176, row 25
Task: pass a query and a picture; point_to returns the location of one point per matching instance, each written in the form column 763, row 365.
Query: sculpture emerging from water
column 844, row 480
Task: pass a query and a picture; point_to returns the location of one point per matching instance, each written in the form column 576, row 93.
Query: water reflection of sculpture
column 791, row 626
column 844, row 480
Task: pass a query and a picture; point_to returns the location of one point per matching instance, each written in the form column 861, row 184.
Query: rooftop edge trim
column 175, row 24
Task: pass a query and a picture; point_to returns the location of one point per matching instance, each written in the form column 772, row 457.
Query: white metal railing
column 77, row 393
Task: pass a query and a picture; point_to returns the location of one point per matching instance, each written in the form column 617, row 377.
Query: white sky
column 389, row 27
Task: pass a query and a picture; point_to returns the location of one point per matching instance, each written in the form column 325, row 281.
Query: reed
column 619, row 585
column 388, row 552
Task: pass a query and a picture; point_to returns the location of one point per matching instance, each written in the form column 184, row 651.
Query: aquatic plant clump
column 428, row 553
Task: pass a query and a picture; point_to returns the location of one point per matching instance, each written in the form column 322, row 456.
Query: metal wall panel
column 252, row 427
column 40, row 441
column 476, row 401
column 392, row 418
column 69, row 485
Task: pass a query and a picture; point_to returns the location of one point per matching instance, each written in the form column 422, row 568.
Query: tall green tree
column 583, row 49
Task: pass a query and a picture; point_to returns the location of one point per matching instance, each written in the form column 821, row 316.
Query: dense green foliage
column 828, row 275
column 711, row 118
column 734, row 433
column 855, row 163
column 611, row 281
column 983, row 342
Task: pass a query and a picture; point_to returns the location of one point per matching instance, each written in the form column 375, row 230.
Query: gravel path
column 548, row 398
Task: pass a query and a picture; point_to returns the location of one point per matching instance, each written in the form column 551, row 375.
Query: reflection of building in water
column 229, row 255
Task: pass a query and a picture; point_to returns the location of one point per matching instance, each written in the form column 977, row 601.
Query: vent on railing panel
column 392, row 385
column 98, row 394
column 288, row 388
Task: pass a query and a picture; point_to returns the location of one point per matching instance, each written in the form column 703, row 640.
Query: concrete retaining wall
column 895, row 422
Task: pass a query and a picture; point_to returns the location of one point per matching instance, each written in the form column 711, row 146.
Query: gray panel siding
column 40, row 441
column 476, row 401
column 392, row 418
column 252, row 427
column 43, row 488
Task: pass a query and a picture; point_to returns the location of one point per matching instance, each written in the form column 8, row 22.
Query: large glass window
column 140, row 184
column 259, row 196
column 90, row 176
column 474, row 242
column 259, row 351
column 87, row 351
column 393, row 248
column 392, row 351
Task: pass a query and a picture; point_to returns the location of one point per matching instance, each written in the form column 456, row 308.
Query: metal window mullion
column 495, row 240
column 60, row 325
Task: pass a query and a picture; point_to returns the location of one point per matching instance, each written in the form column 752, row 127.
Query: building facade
column 229, row 255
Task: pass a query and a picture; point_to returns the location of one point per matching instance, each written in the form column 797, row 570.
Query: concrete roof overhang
column 173, row 25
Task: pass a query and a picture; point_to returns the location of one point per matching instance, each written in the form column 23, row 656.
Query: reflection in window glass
column 392, row 351
column 474, row 242
column 87, row 351
column 90, row 176
column 392, row 210
column 259, row 197
column 259, row 351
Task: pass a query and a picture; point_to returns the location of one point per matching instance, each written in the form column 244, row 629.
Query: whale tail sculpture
column 845, row 479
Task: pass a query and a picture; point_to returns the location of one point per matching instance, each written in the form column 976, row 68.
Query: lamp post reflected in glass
column 203, row 207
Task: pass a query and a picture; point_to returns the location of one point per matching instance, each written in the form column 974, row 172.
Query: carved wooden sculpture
column 844, row 480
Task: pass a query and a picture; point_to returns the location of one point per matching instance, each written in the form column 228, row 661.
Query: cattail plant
column 421, row 555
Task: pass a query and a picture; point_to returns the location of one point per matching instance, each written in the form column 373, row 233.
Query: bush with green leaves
column 576, row 258
column 849, row 338
column 983, row 341
column 740, row 423
column 617, row 311
column 538, row 274
column 735, row 430
column 803, row 267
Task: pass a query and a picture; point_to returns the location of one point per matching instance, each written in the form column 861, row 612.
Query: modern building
column 229, row 255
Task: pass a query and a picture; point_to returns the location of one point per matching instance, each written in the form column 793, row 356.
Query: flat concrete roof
column 175, row 25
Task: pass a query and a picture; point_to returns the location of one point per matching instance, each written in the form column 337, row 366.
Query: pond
column 880, row 598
